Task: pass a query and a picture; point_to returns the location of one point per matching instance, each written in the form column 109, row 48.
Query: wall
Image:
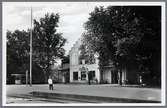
column 107, row 75
column 91, row 67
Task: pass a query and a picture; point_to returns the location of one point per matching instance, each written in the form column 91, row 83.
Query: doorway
column 114, row 77
column 91, row 75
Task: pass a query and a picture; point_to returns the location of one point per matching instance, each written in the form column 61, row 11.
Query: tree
column 18, row 56
column 17, row 52
column 86, row 54
column 47, row 47
column 47, row 43
column 116, row 33
column 149, row 47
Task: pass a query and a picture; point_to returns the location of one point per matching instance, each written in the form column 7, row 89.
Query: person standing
column 50, row 82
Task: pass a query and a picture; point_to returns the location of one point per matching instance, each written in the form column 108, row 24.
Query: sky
column 17, row 15
column 72, row 16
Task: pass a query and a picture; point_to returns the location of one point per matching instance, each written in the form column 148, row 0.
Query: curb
column 88, row 99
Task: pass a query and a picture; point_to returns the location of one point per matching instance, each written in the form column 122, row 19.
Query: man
column 50, row 82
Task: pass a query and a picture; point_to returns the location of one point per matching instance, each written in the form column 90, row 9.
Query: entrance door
column 114, row 77
column 91, row 75
column 75, row 75
column 83, row 75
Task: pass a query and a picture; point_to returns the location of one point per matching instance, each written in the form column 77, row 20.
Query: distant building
column 16, row 79
column 65, row 70
column 56, row 73
column 60, row 73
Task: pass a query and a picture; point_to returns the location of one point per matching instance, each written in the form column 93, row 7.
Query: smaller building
column 18, row 78
column 61, row 71
column 65, row 70
column 21, row 77
column 56, row 73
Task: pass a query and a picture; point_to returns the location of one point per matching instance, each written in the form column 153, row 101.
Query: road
column 90, row 90
column 30, row 99
column 24, row 100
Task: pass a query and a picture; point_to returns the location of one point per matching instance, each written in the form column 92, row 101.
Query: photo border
column 163, row 63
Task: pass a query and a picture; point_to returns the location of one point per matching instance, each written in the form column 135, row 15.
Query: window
column 83, row 75
column 75, row 75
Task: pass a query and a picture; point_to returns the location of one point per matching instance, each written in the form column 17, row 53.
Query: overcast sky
column 16, row 15
column 72, row 16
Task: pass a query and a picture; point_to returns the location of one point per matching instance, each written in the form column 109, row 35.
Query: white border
column 163, row 56
column 3, row 58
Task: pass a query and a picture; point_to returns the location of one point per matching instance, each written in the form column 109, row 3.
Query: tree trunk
column 45, row 77
column 120, row 80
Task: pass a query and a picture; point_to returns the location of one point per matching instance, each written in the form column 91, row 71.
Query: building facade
column 81, row 72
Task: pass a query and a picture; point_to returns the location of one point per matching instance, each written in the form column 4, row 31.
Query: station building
column 81, row 71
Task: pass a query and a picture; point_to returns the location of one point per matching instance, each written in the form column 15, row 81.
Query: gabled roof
column 76, row 45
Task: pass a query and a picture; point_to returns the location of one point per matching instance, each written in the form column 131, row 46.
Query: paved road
column 92, row 90
column 25, row 99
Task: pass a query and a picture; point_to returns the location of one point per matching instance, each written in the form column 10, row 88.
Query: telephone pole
column 31, row 51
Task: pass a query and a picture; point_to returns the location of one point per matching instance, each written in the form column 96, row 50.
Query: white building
column 79, row 71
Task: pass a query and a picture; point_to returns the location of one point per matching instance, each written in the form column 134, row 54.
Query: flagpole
column 31, row 51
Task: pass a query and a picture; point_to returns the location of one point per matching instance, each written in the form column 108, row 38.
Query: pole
column 31, row 51
column 26, row 77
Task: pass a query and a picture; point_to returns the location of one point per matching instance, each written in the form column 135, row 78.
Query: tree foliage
column 17, row 51
column 86, row 54
column 46, row 48
column 47, row 43
column 124, row 35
